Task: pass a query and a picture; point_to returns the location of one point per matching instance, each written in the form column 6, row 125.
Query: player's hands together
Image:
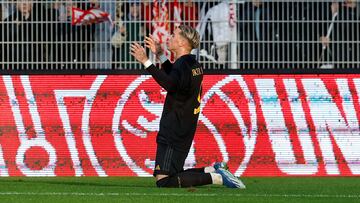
column 138, row 51
column 153, row 45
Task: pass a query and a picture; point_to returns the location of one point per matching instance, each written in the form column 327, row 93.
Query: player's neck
column 181, row 53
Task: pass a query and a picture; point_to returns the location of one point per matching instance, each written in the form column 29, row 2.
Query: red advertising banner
column 106, row 125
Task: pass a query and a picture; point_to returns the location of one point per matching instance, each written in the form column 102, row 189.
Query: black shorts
column 169, row 161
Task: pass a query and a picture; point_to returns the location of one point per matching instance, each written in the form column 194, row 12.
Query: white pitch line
column 177, row 194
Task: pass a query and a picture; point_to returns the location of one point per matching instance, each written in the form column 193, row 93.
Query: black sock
column 185, row 179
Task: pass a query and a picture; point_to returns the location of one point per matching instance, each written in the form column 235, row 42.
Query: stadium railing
column 252, row 36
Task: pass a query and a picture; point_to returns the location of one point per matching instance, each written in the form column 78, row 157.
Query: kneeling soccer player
column 183, row 82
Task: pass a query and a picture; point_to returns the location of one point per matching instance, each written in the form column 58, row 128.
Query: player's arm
column 169, row 82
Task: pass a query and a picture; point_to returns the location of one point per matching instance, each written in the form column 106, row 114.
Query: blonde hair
column 190, row 34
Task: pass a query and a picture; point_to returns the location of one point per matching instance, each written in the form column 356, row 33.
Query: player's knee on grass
column 168, row 182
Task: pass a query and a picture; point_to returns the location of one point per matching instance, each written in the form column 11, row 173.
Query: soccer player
column 182, row 81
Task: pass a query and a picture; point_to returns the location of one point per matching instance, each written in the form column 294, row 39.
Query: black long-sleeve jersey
column 182, row 81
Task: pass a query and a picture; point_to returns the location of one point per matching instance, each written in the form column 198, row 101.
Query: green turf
column 131, row 189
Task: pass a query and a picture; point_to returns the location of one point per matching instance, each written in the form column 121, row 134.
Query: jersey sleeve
column 169, row 81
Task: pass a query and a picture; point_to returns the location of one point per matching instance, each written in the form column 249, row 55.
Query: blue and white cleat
column 229, row 180
column 223, row 165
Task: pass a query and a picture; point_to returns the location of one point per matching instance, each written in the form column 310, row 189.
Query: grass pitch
column 133, row 189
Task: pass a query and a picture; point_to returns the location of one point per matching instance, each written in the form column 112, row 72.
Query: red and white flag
column 161, row 23
column 90, row 16
column 177, row 13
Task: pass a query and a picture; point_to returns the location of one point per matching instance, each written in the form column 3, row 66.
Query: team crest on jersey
column 196, row 72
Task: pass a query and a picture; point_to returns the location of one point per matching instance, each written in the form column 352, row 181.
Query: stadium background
column 275, row 102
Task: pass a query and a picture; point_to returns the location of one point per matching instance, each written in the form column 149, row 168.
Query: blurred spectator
column 51, row 21
column 118, row 37
column 133, row 30
column 307, row 22
column 189, row 12
column 25, row 49
column 6, row 10
column 61, row 11
column 282, row 16
column 344, row 41
column 220, row 31
column 255, row 32
column 312, row 22
column 291, row 35
column 171, row 13
column 146, row 15
column 271, row 34
column 74, row 42
column 101, row 52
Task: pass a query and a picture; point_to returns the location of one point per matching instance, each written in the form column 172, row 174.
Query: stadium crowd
column 252, row 34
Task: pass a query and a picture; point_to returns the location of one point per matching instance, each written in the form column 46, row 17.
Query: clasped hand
column 139, row 52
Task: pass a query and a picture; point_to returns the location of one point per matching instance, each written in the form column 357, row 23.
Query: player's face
column 175, row 40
